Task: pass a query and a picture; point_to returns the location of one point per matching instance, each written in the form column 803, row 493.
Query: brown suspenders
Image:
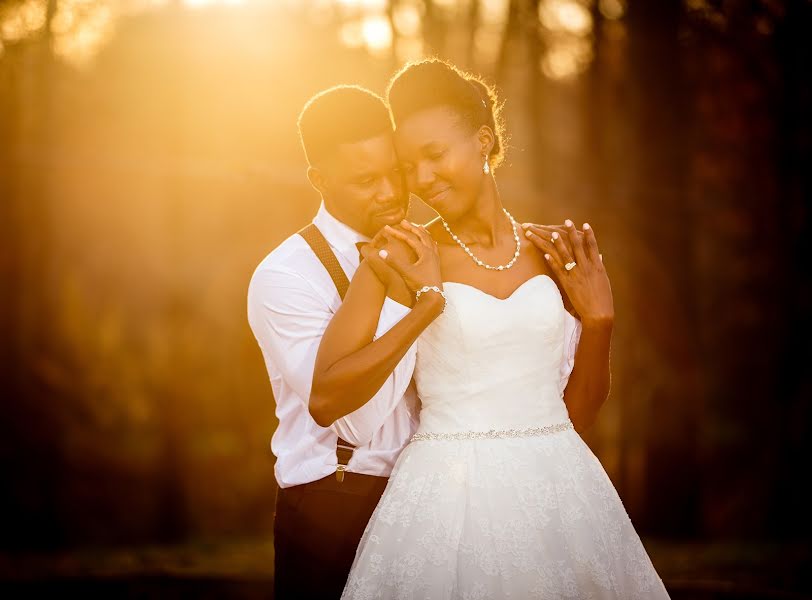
column 321, row 248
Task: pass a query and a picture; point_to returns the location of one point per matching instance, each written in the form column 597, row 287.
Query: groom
column 330, row 478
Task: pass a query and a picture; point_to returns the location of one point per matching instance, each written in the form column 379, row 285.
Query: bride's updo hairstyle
column 434, row 82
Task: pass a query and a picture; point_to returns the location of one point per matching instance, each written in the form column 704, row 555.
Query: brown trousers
column 317, row 527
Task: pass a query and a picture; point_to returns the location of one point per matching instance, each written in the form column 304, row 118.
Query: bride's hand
column 389, row 277
column 587, row 283
column 546, row 231
column 424, row 269
column 369, row 252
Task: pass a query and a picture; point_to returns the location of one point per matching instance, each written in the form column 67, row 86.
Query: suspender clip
column 344, row 452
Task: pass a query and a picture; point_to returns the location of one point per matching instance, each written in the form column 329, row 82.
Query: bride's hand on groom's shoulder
column 586, row 283
column 414, row 255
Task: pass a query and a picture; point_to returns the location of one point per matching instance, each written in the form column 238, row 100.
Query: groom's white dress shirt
column 291, row 299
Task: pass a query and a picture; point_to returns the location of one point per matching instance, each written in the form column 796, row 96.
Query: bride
column 497, row 495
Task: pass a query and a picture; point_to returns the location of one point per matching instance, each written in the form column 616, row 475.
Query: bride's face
column 441, row 157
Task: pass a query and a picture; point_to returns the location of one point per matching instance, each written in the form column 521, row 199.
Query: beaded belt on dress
column 492, row 433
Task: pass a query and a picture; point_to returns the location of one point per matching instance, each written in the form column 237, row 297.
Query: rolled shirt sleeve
column 360, row 425
column 289, row 318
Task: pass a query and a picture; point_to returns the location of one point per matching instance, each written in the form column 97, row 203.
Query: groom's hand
column 422, row 268
column 385, row 273
column 396, row 287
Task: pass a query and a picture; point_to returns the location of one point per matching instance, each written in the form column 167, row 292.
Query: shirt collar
column 338, row 234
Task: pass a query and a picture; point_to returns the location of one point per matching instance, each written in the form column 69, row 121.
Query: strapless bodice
column 490, row 363
column 478, row 507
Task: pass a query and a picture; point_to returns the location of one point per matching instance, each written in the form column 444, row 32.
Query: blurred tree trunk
column 30, row 431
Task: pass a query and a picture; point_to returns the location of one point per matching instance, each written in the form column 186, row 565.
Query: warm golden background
column 149, row 160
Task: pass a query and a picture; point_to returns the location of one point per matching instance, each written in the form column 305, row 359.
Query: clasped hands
column 404, row 258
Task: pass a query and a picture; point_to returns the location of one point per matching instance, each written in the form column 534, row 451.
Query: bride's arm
column 590, row 380
column 588, row 291
column 350, row 367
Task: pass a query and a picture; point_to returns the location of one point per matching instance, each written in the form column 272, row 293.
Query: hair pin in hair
column 483, row 104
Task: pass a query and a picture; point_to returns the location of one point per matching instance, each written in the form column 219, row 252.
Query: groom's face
column 363, row 184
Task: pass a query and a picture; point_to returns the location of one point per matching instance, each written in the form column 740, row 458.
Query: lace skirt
column 501, row 516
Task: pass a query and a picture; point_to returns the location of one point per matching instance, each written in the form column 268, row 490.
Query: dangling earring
column 486, row 168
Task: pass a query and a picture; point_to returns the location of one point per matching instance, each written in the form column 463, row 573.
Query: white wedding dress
column 496, row 496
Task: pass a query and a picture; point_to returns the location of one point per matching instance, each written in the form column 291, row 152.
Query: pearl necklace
column 480, row 262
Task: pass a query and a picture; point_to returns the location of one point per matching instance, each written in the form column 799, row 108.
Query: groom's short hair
column 343, row 114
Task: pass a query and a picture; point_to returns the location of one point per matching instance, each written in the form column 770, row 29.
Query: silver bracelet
column 431, row 288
